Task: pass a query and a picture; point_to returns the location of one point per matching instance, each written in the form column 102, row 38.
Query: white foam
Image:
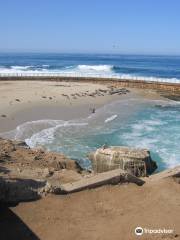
column 111, row 118
column 47, row 135
column 42, row 137
column 45, row 65
column 99, row 71
column 104, row 68
column 171, row 161
column 20, row 67
column 40, row 131
column 150, row 131
column 27, row 129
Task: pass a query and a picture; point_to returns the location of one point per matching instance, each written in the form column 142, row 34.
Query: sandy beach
column 28, row 101
column 22, row 101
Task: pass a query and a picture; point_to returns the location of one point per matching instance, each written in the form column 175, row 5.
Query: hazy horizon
column 116, row 27
column 90, row 53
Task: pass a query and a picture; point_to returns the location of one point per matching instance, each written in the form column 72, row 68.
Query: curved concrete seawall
column 174, row 87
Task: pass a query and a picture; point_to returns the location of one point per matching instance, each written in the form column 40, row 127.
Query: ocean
column 154, row 68
column 151, row 124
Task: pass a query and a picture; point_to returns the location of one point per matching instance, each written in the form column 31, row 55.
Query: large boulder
column 135, row 161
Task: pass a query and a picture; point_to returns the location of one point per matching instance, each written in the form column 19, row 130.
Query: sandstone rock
column 28, row 174
column 20, row 144
column 136, row 161
column 18, row 152
column 7, row 146
column 16, row 190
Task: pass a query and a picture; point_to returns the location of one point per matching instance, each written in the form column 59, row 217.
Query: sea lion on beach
column 93, row 110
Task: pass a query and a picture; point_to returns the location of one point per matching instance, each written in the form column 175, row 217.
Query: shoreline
column 128, row 205
column 30, row 101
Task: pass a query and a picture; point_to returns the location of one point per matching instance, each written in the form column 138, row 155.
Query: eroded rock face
column 15, row 152
column 136, row 161
column 28, row 174
column 21, row 189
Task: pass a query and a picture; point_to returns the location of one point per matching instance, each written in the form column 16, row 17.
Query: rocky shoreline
column 29, row 174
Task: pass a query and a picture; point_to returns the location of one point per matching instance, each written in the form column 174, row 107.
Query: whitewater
column 150, row 124
column 132, row 67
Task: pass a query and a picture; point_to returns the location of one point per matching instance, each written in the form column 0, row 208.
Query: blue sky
column 102, row 26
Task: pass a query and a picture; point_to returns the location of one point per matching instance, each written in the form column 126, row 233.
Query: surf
column 143, row 124
column 111, row 118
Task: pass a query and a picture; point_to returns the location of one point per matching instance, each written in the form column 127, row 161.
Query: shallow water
column 151, row 124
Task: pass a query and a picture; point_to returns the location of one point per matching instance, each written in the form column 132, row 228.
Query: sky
column 90, row 26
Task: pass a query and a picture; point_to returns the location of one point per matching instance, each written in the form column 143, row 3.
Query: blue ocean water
column 162, row 68
column 151, row 124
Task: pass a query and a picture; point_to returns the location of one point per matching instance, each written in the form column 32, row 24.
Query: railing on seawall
column 83, row 75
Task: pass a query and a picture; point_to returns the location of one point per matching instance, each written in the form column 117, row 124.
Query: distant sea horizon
column 86, row 52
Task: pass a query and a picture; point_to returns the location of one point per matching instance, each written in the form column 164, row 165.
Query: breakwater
column 164, row 86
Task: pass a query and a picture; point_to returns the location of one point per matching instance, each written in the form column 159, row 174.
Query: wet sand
column 22, row 101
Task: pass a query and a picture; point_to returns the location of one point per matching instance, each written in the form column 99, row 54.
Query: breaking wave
column 104, row 71
column 20, row 68
column 105, row 68
column 111, row 118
